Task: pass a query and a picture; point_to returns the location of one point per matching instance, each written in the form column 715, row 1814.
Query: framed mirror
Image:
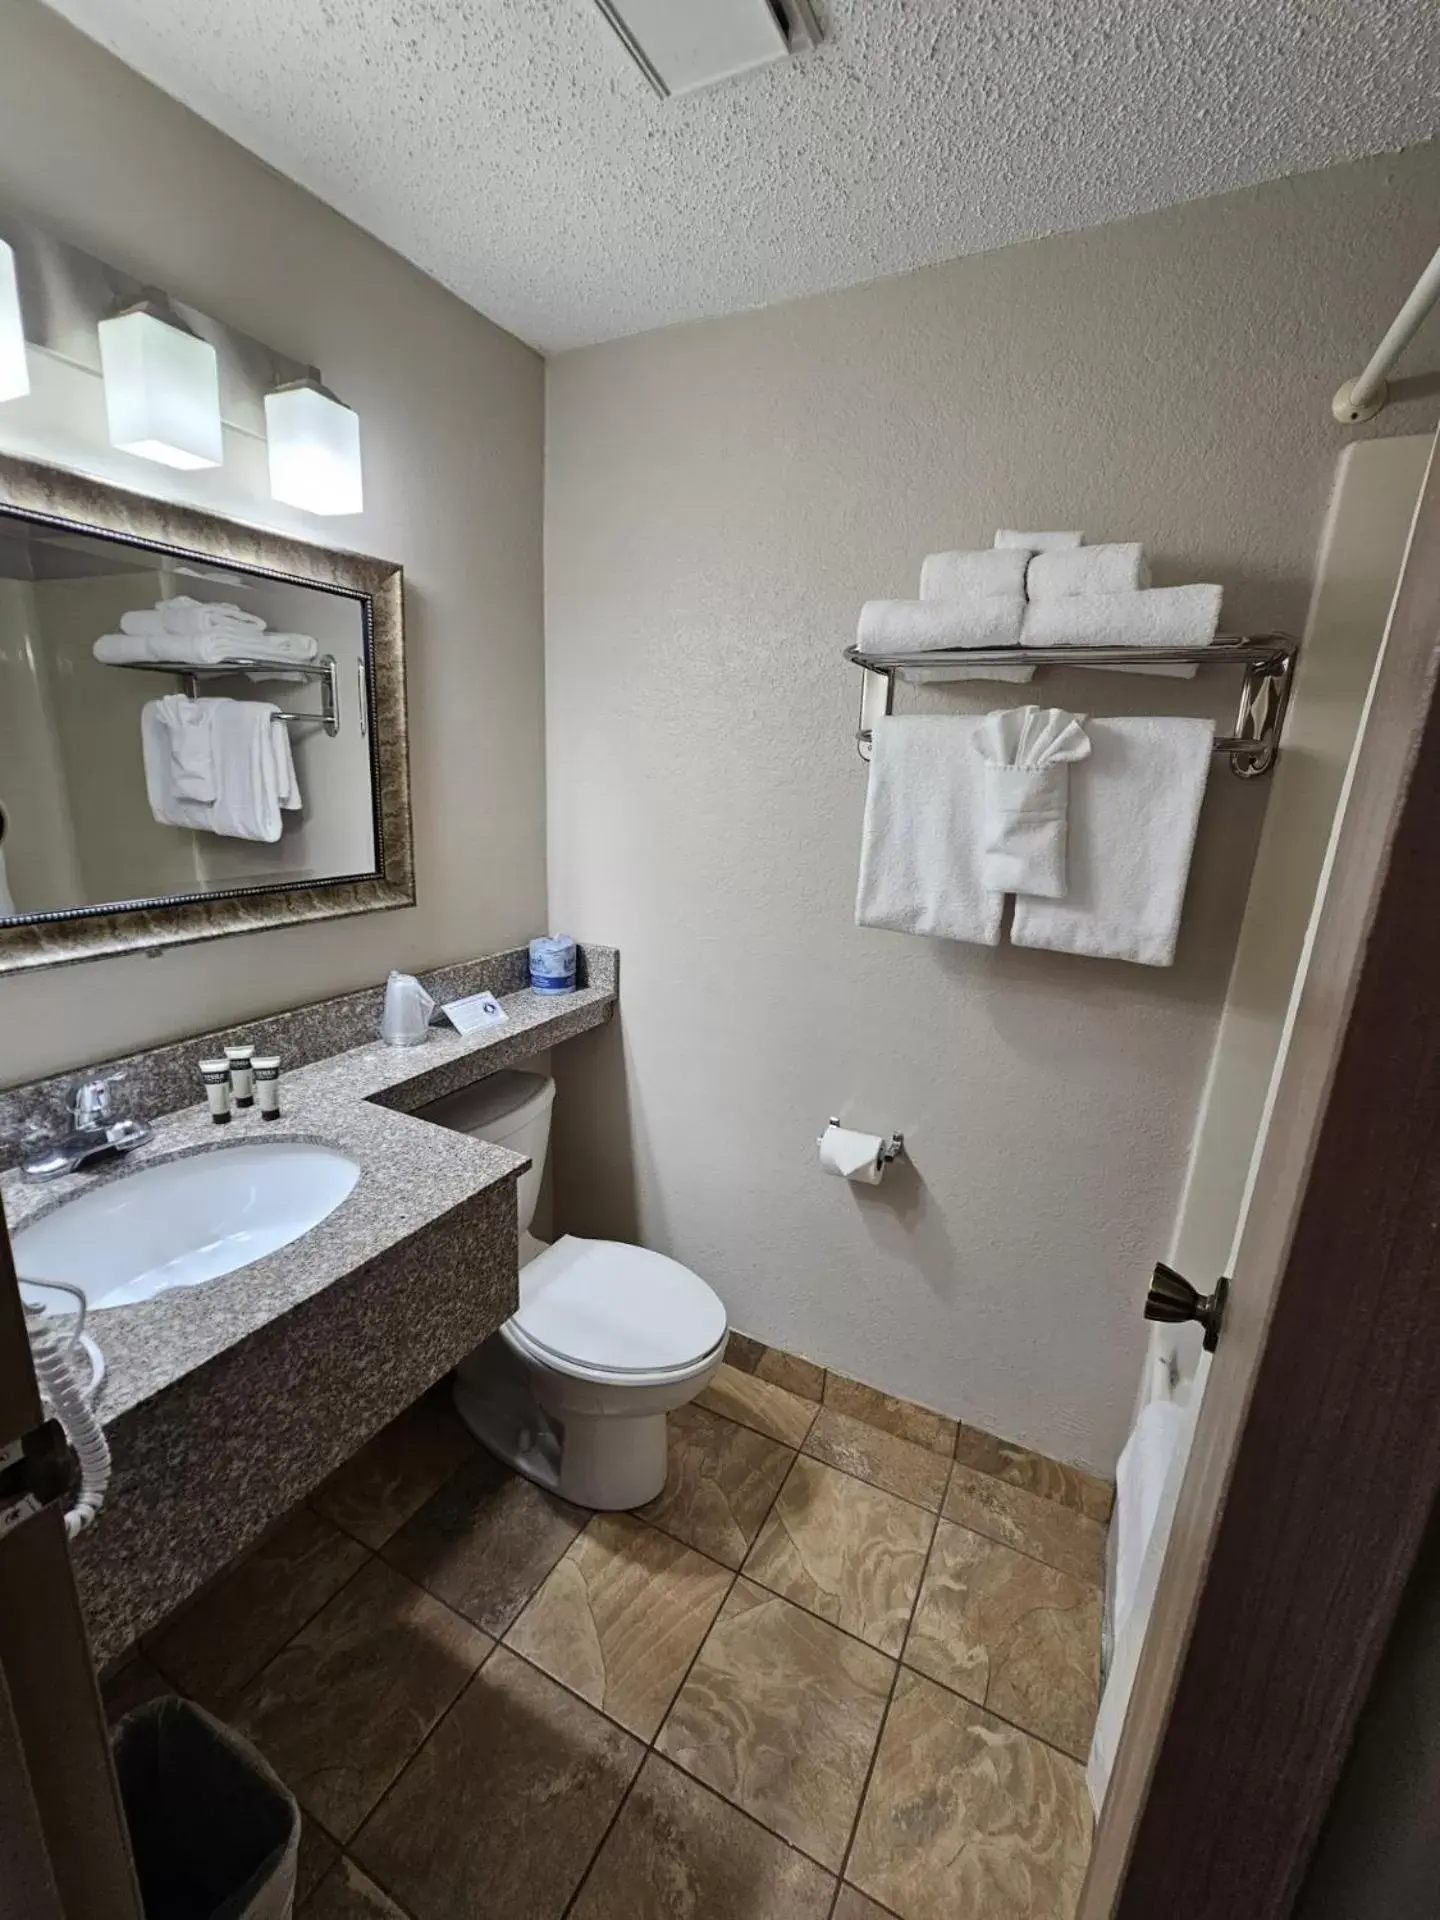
column 202, row 725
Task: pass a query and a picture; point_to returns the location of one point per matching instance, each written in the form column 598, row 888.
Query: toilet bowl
column 608, row 1338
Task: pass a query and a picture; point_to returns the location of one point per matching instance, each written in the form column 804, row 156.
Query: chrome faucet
column 95, row 1128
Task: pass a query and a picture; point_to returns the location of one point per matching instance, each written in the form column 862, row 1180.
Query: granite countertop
column 412, row 1175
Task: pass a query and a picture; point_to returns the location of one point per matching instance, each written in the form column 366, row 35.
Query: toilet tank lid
column 623, row 1309
column 503, row 1101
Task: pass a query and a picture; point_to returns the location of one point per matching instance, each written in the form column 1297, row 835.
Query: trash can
column 213, row 1831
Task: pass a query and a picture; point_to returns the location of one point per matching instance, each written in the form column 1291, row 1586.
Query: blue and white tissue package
column 552, row 964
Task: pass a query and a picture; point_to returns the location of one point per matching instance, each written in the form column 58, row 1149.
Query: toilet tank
column 511, row 1109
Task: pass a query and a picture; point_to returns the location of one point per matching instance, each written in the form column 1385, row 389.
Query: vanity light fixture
column 14, row 371
column 314, row 442
column 162, row 386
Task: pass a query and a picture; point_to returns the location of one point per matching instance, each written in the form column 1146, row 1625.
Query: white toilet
column 574, row 1389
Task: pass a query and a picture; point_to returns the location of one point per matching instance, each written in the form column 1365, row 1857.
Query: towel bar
column 1268, row 660
column 323, row 670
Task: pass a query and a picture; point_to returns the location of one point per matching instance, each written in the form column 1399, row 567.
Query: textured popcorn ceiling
column 510, row 147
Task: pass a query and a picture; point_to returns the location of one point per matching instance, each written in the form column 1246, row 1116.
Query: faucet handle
column 90, row 1105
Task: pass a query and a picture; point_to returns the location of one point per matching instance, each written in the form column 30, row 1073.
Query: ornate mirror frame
column 72, row 503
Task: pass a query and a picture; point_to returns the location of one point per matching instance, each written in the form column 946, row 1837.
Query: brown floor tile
column 899, row 1466
column 221, row 1639
column 780, row 1713
column 904, row 1418
column 506, row 1804
column 393, row 1475
column 679, row 1852
column 344, row 1707
column 722, row 1479
column 318, row 1853
column 485, row 1541
column 130, row 1686
column 743, row 1353
column 854, row 1905
column 346, row 1894
column 1070, row 1487
column 1024, row 1520
column 847, row 1551
column 759, row 1404
column 1011, row 1634
column 790, row 1371
column 621, row 1618
column 965, row 1815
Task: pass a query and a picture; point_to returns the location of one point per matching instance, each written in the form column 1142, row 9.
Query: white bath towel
column 1133, row 816
column 1111, row 568
column 920, row 626
column 1156, row 617
column 254, row 772
column 1026, row 754
column 185, row 617
column 1037, row 542
column 956, row 576
column 204, row 649
column 192, row 753
column 920, row 851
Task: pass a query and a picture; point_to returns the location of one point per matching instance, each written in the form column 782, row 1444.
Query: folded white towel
column 192, row 753
column 920, row 850
column 920, row 626
column 1114, row 568
column 254, row 772
column 956, row 576
column 1037, row 542
column 1026, row 754
column 1133, row 817
column 204, row 649
column 1156, row 617
column 184, row 616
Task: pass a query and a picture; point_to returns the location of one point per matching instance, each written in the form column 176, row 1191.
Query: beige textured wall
column 451, row 411
column 720, row 499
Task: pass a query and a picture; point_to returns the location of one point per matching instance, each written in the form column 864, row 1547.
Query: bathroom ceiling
column 513, row 150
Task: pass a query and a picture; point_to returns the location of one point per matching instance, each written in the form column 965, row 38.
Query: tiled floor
column 844, row 1668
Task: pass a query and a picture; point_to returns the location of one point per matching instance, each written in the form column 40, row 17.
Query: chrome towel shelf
column 323, row 670
column 1268, row 660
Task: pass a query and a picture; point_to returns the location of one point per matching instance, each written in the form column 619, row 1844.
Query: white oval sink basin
column 183, row 1221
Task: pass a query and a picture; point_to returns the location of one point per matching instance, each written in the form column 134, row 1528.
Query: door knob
column 1172, row 1299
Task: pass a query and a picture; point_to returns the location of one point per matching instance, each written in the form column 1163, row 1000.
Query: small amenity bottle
column 216, row 1075
column 266, row 1068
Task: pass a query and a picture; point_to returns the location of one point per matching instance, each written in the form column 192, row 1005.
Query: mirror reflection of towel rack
column 1268, row 660
column 323, row 670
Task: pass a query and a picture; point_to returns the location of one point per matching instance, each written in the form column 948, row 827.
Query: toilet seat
column 602, row 1310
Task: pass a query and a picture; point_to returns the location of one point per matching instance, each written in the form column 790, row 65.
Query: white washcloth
column 1113, row 568
column 920, row 850
column 1026, row 754
column 1156, row 617
column 204, row 649
column 254, row 772
column 1132, row 830
column 919, row 626
column 192, row 753
column 956, row 576
column 186, row 617
column 1037, row 542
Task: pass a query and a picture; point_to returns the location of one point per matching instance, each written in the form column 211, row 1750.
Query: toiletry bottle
column 266, row 1068
column 242, row 1079
column 216, row 1075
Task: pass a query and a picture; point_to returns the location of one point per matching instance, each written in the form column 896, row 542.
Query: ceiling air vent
column 683, row 45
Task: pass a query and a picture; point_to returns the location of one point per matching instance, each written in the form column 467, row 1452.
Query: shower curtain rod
column 1362, row 398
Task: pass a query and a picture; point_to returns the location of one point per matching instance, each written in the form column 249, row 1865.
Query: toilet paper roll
column 853, row 1156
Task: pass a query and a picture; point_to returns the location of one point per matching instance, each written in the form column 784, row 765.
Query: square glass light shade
column 162, row 391
column 14, row 372
column 314, row 442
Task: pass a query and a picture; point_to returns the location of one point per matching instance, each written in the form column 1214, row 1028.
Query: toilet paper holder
column 894, row 1148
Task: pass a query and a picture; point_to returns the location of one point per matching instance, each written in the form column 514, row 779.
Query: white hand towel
column 1037, row 542
column 254, row 772
column 192, row 753
column 204, row 649
column 920, row 851
column 920, row 626
column 1156, row 617
column 1114, row 568
column 1026, row 754
column 188, row 617
column 956, row 576
column 1133, row 817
